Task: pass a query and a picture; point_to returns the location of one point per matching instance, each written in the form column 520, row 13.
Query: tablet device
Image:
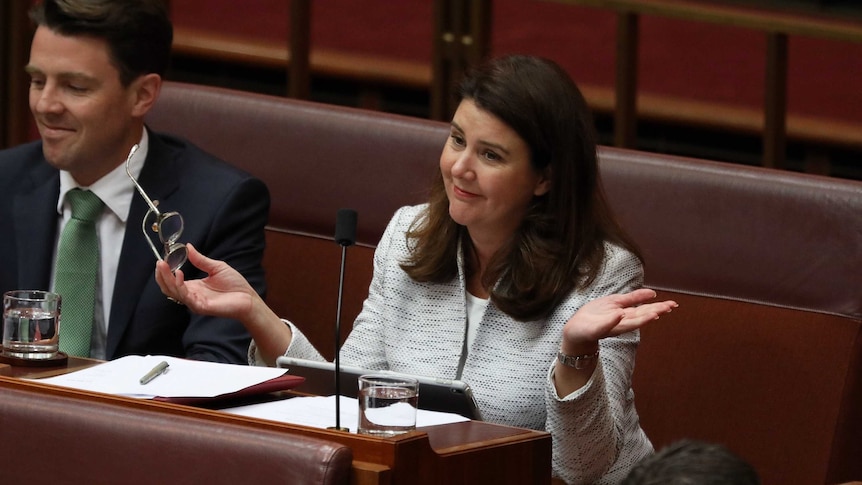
column 446, row 395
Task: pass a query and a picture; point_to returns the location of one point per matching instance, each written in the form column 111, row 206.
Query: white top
column 475, row 311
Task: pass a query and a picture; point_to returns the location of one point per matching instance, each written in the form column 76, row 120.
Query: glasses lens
column 175, row 255
column 170, row 227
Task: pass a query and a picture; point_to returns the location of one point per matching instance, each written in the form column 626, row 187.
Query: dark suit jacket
column 225, row 211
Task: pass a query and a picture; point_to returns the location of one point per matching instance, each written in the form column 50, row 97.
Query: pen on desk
column 156, row 372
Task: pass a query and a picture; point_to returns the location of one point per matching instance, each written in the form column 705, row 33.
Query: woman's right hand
column 224, row 292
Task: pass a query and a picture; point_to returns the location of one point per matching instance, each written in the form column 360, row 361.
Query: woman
column 513, row 278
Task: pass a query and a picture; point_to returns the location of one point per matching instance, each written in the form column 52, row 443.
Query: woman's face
column 487, row 174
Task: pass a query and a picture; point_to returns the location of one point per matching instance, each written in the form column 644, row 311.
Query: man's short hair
column 138, row 32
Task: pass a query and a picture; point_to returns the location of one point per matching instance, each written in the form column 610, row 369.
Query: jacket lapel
column 137, row 263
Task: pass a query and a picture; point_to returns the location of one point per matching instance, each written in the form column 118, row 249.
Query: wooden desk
column 468, row 452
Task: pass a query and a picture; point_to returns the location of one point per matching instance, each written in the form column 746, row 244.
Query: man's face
column 86, row 118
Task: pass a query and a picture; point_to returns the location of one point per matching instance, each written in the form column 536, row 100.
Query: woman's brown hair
column 559, row 245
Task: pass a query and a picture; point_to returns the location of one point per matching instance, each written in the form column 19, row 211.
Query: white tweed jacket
column 420, row 328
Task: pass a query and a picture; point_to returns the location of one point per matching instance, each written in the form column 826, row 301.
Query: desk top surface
column 443, row 438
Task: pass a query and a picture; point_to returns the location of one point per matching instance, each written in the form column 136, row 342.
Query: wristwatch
column 577, row 361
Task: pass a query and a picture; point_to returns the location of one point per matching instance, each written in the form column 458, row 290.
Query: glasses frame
column 172, row 248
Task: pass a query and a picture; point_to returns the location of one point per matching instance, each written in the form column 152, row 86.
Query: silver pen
column 156, row 372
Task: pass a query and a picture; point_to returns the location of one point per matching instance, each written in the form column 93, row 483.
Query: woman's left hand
column 612, row 315
column 607, row 316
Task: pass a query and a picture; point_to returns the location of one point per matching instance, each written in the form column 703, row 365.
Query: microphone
column 345, row 227
column 345, row 235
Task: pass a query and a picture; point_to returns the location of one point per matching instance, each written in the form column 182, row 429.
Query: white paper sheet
column 184, row 378
column 319, row 412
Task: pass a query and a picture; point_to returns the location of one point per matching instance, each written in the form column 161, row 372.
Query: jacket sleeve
column 595, row 429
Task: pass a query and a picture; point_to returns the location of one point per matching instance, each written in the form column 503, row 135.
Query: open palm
column 224, row 292
column 613, row 315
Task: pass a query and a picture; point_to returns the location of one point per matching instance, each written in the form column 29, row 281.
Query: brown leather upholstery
column 317, row 158
column 764, row 354
column 117, row 443
column 765, row 351
column 746, row 233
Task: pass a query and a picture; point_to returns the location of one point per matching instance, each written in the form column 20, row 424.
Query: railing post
column 462, row 37
column 775, row 101
column 15, row 34
column 626, row 86
column 299, row 73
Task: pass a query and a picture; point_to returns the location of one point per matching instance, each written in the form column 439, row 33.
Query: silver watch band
column 577, row 361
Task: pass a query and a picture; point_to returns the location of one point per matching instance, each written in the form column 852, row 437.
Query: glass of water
column 31, row 321
column 387, row 404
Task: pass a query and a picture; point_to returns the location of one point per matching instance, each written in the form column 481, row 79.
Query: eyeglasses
column 169, row 226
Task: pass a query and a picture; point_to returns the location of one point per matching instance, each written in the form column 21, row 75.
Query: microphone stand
column 345, row 235
column 338, row 344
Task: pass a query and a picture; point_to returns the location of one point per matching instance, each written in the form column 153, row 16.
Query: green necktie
column 77, row 272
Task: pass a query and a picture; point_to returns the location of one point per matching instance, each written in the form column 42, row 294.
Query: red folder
column 281, row 383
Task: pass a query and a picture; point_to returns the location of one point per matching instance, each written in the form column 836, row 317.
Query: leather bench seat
column 118, row 442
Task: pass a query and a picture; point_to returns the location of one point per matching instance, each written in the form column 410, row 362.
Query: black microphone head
column 345, row 227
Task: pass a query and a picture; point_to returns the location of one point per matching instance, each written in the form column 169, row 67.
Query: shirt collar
column 114, row 189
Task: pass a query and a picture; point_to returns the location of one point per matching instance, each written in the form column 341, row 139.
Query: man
column 96, row 69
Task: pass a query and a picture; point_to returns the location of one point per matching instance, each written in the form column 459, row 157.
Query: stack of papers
column 183, row 378
column 319, row 412
column 197, row 379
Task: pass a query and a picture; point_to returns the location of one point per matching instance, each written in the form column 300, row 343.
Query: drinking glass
column 31, row 323
column 387, row 404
